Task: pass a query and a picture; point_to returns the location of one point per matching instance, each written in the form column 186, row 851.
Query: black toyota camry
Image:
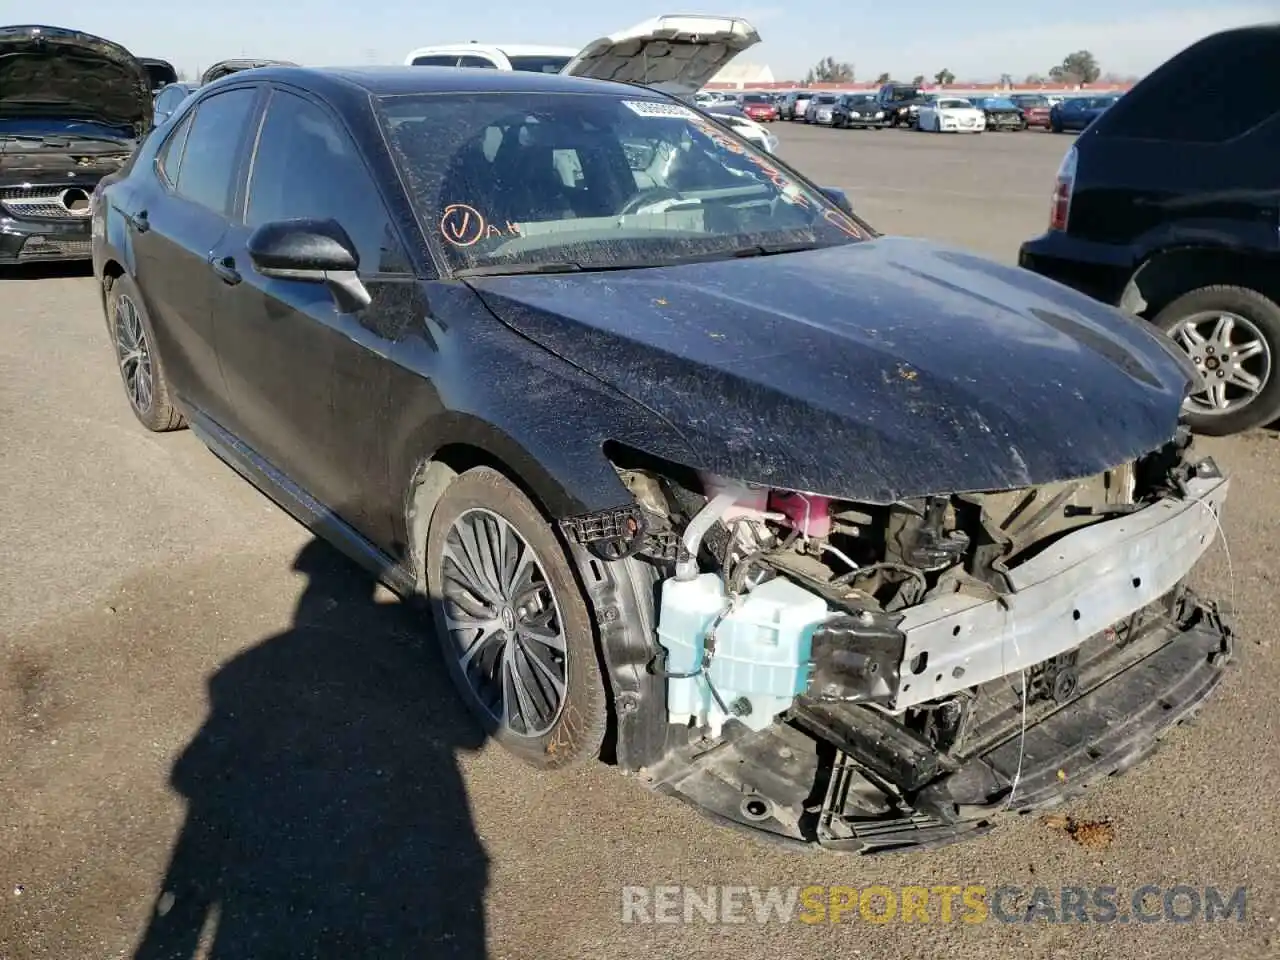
column 859, row 560
column 72, row 108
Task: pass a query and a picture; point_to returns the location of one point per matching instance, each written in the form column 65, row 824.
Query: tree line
column 1075, row 68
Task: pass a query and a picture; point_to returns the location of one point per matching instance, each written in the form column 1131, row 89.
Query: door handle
column 138, row 221
column 225, row 268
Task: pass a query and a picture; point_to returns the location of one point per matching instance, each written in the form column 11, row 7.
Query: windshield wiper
column 514, row 269
column 57, row 140
column 770, row 249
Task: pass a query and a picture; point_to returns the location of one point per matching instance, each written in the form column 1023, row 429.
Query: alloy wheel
column 1232, row 356
column 134, row 355
column 504, row 623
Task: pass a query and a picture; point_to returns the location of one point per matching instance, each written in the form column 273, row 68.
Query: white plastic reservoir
column 761, row 653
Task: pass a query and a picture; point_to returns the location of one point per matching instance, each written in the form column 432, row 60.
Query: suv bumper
column 1099, row 270
column 23, row 241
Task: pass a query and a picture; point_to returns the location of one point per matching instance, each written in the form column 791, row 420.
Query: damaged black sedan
column 853, row 540
column 72, row 109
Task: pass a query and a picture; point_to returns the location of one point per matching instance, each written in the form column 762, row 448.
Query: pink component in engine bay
column 808, row 513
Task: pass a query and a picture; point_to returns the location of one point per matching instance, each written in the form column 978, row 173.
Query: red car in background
column 760, row 107
column 1035, row 109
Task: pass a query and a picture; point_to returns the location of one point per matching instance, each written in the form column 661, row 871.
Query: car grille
column 65, row 202
column 55, row 248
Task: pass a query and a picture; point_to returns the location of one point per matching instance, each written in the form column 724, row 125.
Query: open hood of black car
column 161, row 72
column 873, row 371
column 54, row 72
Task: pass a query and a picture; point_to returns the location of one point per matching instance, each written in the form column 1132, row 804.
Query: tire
column 145, row 384
column 1255, row 309
column 576, row 731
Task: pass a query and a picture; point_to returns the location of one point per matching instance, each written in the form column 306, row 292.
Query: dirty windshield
column 526, row 182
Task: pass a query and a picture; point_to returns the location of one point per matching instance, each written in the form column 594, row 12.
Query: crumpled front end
column 871, row 677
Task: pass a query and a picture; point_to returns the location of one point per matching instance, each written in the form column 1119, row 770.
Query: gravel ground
column 213, row 728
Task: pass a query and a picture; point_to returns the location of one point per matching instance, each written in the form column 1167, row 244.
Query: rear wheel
column 1232, row 335
column 512, row 623
column 141, row 372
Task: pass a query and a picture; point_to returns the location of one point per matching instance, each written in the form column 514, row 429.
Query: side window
column 169, row 159
column 436, row 61
column 1212, row 92
column 473, row 61
column 208, row 168
column 332, row 181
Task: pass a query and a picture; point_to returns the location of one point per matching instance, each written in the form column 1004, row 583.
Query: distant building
column 738, row 75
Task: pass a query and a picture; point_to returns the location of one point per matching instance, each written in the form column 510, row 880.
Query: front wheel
column 1232, row 335
column 513, row 625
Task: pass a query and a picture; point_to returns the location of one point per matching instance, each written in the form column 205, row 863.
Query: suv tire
column 1264, row 315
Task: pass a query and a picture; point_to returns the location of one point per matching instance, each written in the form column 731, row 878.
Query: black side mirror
column 311, row 251
column 839, row 198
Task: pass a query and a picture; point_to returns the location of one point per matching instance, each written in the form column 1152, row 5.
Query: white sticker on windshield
column 656, row 108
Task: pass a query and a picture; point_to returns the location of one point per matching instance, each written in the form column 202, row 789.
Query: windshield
column 955, row 105
column 905, row 93
column 999, row 103
column 507, row 182
column 1032, row 102
column 757, row 98
column 539, row 64
column 45, row 127
column 825, row 98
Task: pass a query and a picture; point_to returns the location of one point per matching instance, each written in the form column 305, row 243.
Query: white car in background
column 951, row 115
column 731, row 115
column 676, row 54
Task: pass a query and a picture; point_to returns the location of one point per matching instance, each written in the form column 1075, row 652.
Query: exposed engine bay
column 872, row 676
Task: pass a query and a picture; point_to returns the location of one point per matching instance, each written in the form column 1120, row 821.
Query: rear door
column 175, row 229
column 306, row 380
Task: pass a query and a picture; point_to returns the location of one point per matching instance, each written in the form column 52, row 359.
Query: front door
column 301, row 372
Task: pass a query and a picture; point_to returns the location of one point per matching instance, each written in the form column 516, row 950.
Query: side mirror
column 839, row 198
column 311, row 251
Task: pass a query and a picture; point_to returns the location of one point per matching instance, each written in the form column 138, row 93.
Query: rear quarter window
column 1214, row 91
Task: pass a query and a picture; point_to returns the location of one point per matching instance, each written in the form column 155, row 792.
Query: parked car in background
column 72, row 109
column 1035, row 108
column 224, row 68
column 640, row 54
column 901, row 102
column 795, row 104
column 819, row 108
column 951, row 115
column 858, row 110
column 1174, row 218
column 733, row 117
column 169, row 99
column 1000, row 113
column 161, row 73
column 1078, row 112
column 759, row 107
column 768, row 539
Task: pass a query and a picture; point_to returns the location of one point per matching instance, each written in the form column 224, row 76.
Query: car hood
column 676, row 54
column 161, row 72
column 53, row 72
column 224, row 68
column 872, row 371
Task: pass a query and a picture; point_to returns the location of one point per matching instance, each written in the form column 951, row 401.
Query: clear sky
column 977, row 39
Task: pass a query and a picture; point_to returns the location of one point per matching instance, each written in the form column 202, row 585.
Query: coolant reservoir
column 762, row 649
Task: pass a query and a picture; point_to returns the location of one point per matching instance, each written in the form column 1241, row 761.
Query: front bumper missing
column 1079, row 586
column 852, row 779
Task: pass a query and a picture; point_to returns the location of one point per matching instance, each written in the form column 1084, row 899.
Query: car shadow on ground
column 326, row 814
column 52, row 270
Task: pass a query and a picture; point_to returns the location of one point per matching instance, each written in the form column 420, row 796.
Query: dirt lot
column 208, row 723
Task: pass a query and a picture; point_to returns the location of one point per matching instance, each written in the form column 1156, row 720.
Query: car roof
column 401, row 80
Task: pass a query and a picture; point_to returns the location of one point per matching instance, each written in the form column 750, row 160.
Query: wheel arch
column 1171, row 272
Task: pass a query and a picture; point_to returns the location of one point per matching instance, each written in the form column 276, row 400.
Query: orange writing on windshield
column 463, row 225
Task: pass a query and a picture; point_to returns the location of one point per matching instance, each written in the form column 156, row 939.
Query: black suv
column 901, row 103
column 72, row 108
column 1168, row 206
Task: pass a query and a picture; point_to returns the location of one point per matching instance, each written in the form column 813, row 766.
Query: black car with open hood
column 850, row 539
column 161, row 72
column 72, row 109
column 224, row 68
